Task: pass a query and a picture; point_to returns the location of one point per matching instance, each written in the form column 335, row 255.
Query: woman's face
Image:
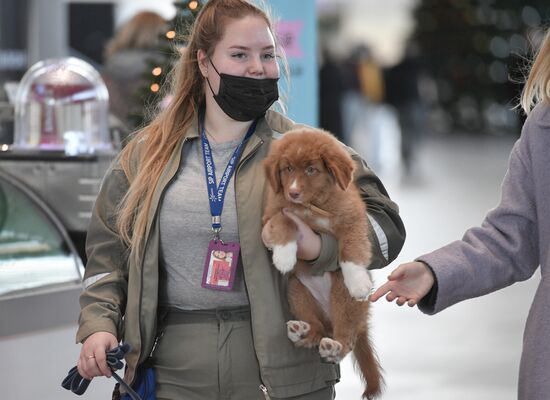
column 246, row 49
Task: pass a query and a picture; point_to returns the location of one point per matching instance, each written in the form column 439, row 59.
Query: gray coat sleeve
column 502, row 251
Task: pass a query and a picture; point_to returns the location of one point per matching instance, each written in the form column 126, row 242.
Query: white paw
column 284, row 256
column 357, row 280
column 330, row 350
column 297, row 330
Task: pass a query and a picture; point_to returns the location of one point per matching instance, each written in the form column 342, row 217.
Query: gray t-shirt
column 186, row 230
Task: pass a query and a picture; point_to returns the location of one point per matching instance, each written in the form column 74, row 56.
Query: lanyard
column 216, row 194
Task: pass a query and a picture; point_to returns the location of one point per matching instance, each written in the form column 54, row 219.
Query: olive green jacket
column 121, row 294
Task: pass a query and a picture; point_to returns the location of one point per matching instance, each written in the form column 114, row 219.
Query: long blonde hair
column 140, row 32
column 537, row 87
column 162, row 135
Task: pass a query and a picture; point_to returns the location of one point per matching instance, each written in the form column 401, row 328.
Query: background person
column 128, row 57
column 508, row 247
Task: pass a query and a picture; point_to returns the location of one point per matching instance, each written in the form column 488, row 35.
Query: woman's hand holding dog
column 309, row 242
column 408, row 283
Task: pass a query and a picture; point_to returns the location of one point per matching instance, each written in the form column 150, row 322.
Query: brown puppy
column 310, row 173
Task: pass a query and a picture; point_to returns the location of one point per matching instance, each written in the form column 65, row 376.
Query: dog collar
column 318, row 210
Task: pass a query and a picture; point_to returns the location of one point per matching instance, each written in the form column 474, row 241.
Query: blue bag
column 144, row 384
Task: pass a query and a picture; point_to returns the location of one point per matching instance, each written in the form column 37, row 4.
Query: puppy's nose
column 294, row 194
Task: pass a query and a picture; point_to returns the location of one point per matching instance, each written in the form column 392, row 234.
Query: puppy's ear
column 271, row 169
column 339, row 164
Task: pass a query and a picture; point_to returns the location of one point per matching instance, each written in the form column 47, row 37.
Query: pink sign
column 288, row 33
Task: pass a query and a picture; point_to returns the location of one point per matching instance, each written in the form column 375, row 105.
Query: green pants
column 209, row 355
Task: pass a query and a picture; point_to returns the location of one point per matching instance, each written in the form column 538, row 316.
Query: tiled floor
column 470, row 351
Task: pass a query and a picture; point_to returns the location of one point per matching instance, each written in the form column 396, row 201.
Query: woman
column 511, row 243
column 128, row 56
column 153, row 223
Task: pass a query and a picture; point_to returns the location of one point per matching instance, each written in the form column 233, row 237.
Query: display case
column 62, row 105
column 36, row 253
column 62, row 145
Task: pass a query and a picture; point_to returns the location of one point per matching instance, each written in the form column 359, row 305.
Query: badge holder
column 220, row 266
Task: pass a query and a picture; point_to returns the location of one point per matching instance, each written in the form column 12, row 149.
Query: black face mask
column 245, row 99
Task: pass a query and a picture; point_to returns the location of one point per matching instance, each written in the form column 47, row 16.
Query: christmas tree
column 170, row 43
column 476, row 53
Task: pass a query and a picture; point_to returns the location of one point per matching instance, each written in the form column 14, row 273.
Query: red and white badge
column 220, row 266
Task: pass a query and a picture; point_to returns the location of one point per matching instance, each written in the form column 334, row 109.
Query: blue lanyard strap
column 216, row 194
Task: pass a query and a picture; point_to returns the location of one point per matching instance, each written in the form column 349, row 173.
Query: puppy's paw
column 330, row 350
column 284, row 256
column 297, row 330
column 357, row 280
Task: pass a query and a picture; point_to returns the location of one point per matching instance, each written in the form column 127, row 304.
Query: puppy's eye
column 311, row 171
column 289, row 168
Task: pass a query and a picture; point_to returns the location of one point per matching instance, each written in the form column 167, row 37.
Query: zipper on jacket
column 145, row 246
column 262, row 387
column 159, row 336
column 252, row 152
column 264, row 391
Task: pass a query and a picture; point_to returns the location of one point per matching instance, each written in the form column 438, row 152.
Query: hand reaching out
column 408, row 283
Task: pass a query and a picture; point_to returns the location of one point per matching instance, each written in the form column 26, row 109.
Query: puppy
column 310, row 173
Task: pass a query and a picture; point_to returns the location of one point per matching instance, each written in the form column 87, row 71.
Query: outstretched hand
column 408, row 283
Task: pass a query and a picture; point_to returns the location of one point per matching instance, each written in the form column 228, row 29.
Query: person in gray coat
column 508, row 247
column 128, row 59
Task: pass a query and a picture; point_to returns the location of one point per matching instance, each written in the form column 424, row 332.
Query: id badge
column 220, row 266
